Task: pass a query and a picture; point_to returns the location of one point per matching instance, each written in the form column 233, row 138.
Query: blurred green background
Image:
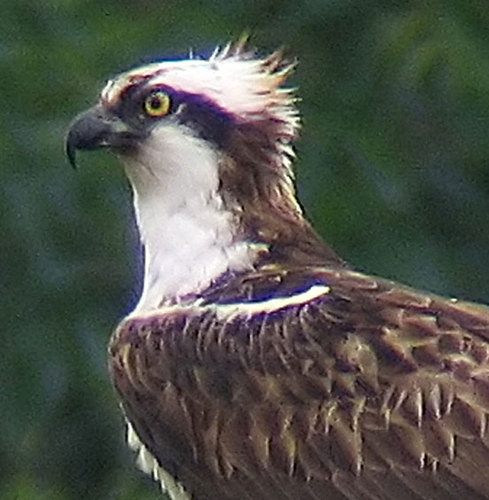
column 392, row 168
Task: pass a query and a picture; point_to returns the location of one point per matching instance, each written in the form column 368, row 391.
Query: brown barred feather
column 372, row 391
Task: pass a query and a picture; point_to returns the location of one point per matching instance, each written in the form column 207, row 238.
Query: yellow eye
column 157, row 104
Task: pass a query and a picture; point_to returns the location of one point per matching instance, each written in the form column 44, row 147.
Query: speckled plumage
column 259, row 366
column 370, row 391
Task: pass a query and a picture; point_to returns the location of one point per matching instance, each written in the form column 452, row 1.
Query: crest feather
column 234, row 77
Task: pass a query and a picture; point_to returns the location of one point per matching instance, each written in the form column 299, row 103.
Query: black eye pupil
column 155, row 102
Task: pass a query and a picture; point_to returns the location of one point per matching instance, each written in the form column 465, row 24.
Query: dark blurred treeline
column 392, row 168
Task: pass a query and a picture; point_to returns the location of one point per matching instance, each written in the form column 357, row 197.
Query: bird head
column 230, row 109
column 207, row 147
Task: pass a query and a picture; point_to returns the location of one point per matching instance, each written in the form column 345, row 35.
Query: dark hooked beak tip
column 91, row 130
column 71, row 151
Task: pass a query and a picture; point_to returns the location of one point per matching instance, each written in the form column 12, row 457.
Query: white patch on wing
column 230, row 311
column 188, row 235
column 148, row 464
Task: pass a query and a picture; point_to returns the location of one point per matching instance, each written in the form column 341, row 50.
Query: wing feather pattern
column 365, row 391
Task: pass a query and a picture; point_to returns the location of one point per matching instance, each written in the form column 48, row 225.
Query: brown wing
column 370, row 392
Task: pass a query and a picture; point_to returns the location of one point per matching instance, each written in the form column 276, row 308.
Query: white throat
column 188, row 236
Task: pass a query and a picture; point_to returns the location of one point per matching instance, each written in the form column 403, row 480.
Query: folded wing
column 310, row 384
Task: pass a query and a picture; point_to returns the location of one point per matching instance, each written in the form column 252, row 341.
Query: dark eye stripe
column 202, row 115
column 205, row 117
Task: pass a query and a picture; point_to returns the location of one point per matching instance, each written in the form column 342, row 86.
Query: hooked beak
column 95, row 129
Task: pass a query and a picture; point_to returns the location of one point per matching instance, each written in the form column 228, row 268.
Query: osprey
column 257, row 364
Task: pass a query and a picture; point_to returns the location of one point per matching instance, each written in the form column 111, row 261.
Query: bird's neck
column 187, row 247
column 189, row 236
column 200, row 217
